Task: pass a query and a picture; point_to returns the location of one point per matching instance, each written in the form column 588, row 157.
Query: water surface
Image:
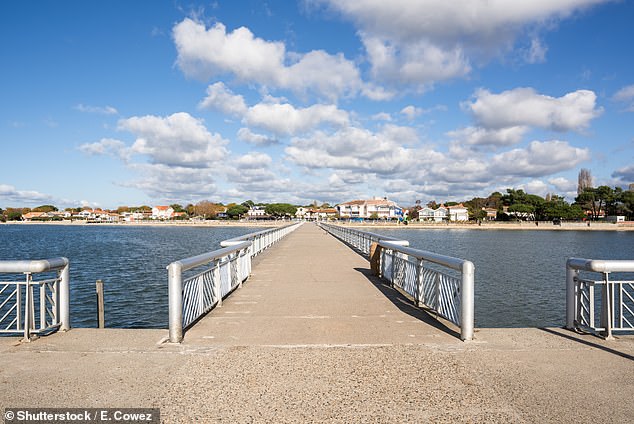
column 520, row 278
column 130, row 260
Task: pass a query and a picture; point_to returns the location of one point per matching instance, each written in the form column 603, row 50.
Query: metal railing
column 220, row 272
column 361, row 240
column 609, row 310
column 440, row 283
column 34, row 307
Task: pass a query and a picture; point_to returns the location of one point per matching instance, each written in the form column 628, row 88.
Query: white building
column 457, row 213
column 376, row 207
column 256, row 212
column 162, row 212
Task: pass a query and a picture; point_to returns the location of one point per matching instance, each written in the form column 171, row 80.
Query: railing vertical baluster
column 28, row 305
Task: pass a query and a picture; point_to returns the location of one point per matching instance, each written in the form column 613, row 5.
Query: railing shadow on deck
column 405, row 304
column 570, row 335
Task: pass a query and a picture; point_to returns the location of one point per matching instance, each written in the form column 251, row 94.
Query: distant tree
column 15, row 214
column 235, row 211
column 177, row 208
column 280, row 209
column 45, row 208
column 189, row 209
column 413, row 212
column 249, row 204
column 374, row 216
column 627, row 200
column 522, row 210
column 474, row 206
column 325, row 205
column 584, row 180
column 597, row 200
column 432, row 204
column 558, row 208
column 123, row 209
column 207, row 209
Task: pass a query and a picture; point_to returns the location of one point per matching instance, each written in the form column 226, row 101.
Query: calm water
column 520, row 275
column 130, row 260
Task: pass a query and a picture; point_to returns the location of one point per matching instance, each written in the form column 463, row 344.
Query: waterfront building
column 457, row 213
column 375, row 207
column 256, row 212
column 162, row 212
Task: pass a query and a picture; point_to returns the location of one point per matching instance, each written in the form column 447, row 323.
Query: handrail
column 449, row 296
column 616, row 299
column 53, row 297
column 192, row 297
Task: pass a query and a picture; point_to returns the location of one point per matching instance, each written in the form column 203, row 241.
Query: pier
column 314, row 335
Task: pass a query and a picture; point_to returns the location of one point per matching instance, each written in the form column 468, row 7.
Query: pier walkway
column 313, row 337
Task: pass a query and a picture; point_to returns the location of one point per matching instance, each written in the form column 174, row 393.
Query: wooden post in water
column 100, row 312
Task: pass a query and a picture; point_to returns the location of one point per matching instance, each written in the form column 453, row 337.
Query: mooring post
column 100, row 310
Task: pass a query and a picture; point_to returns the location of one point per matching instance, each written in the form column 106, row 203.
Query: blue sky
column 152, row 102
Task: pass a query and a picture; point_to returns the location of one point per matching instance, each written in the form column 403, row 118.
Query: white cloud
column 246, row 135
column 9, row 194
column 538, row 159
column 178, row 139
column 219, row 97
column 625, row 174
column 626, row 95
column 478, row 136
column 253, row 160
column 537, row 52
column 204, row 53
column 382, row 116
column 282, row 119
column 102, row 110
column 411, row 112
column 285, row 119
column 359, row 149
column 525, row 107
column 420, row 42
column 107, row 146
column 417, row 63
column 563, row 185
column 173, row 183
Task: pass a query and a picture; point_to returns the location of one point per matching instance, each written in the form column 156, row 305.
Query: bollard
column 100, row 310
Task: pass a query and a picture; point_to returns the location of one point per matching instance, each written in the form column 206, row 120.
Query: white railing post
column 64, row 298
column 467, row 302
column 571, row 296
column 175, row 300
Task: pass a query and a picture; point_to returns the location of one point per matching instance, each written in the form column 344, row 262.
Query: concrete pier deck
column 313, row 337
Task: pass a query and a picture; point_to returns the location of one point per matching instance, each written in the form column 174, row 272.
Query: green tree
column 177, row 207
column 280, row 209
column 236, row 211
column 45, row 208
column 249, row 204
column 15, row 214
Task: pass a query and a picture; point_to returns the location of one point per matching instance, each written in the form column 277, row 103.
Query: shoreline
column 517, row 226
column 209, row 223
